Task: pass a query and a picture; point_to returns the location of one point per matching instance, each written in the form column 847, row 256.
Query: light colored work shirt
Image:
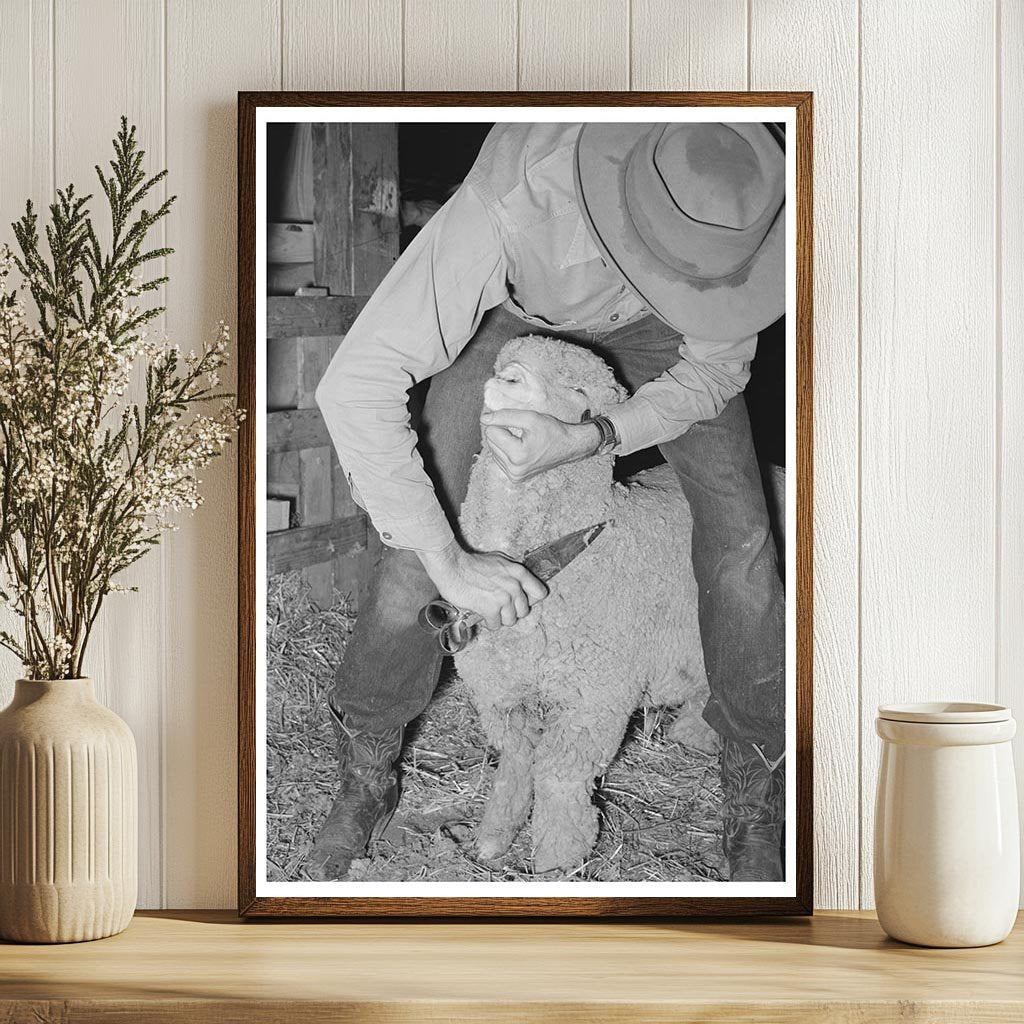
column 512, row 234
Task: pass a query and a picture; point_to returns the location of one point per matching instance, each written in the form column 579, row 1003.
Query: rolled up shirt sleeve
column 414, row 325
column 696, row 388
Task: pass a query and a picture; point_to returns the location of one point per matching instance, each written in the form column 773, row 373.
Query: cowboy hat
column 693, row 218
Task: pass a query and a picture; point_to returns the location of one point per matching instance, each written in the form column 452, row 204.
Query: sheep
column 617, row 631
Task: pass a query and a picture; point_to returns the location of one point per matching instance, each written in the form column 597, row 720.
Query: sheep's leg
column 509, row 802
column 572, row 751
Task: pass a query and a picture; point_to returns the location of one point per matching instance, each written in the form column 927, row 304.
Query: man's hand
column 525, row 443
column 500, row 590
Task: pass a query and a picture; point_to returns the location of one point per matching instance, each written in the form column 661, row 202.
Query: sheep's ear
column 585, row 416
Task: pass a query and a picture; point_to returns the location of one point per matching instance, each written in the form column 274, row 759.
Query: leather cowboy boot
column 365, row 802
column 753, row 812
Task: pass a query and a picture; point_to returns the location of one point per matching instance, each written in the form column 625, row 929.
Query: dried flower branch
column 88, row 477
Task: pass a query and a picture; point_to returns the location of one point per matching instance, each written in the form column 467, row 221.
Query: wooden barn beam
column 296, row 429
column 312, row 545
column 355, row 194
column 296, row 316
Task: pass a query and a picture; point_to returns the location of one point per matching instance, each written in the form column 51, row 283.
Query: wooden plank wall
column 919, row 316
column 345, row 244
column 928, row 454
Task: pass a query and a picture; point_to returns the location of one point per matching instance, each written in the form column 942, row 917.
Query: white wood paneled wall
column 919, row 310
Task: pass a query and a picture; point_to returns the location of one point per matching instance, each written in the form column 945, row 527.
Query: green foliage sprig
column 89, row 477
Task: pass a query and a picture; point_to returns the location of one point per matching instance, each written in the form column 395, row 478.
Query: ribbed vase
column 68, row 815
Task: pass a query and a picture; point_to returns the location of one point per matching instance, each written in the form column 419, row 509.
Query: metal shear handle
column 452, row 626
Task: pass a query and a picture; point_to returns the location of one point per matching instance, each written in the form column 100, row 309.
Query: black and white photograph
column 525, row 502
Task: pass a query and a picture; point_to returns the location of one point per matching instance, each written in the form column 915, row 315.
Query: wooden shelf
column 209, row 966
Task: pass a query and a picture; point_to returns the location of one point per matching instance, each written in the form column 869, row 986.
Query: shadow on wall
column 201, row 561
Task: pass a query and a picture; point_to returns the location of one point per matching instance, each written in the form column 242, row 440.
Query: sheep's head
column 551, row 376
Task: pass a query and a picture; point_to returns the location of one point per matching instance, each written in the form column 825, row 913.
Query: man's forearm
column 667, row 407
column 404, row 508
column 415, row 325
column 426, row 530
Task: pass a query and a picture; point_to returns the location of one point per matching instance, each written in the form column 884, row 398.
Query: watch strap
column 609, row 435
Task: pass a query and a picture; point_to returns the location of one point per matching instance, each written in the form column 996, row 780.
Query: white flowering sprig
column 89, row 478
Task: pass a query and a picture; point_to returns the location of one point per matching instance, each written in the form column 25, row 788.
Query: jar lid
column 945, row 713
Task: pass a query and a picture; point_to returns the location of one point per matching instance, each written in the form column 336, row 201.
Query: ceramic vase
column 947, row 847
column 68, row 815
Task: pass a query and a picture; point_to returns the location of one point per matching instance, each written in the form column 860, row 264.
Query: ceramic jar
column 947, row 848
column 68, row 815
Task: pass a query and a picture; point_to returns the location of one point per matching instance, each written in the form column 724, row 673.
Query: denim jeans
column 391, row 665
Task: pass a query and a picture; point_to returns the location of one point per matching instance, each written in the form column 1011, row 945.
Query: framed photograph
column 525, row 504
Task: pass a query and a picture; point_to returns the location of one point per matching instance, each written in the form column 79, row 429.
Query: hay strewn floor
column 658, row 800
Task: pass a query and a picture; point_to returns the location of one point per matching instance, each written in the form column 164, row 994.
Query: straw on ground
column 659, row 800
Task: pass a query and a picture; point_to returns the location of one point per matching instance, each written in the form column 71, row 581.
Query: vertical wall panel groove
column 519, row 44
column 44, row 93
column 830, row 70
column 1011, row 376
column 17, row 121
column 165, row 658
column 997, row 314
column 748, row 31
column 574, row 44
column 469, row 45
column 347, row 44
column 26, row 106
column 928, row 516
column 696, row 45
column 629, row 45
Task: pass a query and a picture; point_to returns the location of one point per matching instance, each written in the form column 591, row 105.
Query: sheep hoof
column 548, row 861
column 493, row 845
column 563, row 853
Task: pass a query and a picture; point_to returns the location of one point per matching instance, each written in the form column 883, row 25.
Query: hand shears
column 454, row 626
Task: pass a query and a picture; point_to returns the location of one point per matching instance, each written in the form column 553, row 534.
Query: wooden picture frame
column 332, row 315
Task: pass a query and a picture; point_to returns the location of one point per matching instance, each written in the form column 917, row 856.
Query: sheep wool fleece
column 617, row 631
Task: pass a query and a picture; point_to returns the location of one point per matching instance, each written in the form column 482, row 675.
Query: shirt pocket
column 538, row 321
column 582, row 248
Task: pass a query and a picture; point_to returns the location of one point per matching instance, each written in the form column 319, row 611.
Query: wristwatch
column 610, row 439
